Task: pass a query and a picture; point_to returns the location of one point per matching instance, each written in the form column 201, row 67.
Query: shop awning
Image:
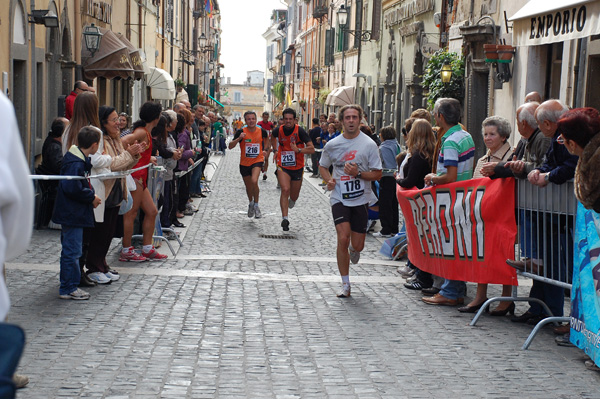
column 340, row 96
column 162, row 86
column 552, row 21
column 215, row 100
column 110, row 61
column 135, row 57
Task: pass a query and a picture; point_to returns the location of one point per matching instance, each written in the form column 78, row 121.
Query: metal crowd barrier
column 545, row 223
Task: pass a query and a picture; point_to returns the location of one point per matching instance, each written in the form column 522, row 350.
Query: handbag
column 126, row 205
column 115, row 197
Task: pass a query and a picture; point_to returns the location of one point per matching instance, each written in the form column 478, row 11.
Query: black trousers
column 184, row 192
column 388, row 205
column 99, row 240
column 165, row 214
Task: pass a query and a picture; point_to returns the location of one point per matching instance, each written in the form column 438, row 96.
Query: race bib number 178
column 351, row 187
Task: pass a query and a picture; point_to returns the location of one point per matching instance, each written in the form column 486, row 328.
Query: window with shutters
column 376, row 21
column 329, row 46
column 237, row 97
column 358, row 22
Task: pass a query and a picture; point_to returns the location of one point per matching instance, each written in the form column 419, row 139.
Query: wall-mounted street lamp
column 446, row 73
column 299, row 62
column 203, row 41
column 342, row 17
column 44, row 17
column 92, row 37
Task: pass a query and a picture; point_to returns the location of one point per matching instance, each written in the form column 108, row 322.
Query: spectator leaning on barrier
column 111, row 191
column 580, row 128
column 557, row 168
column 455, row 163
column 149, row 115
column 415, row 166
column 496, row 132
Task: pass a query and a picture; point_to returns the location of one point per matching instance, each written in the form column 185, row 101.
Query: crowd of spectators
column 179, row 139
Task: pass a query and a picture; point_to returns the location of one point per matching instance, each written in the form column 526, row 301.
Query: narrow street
column 236, row 315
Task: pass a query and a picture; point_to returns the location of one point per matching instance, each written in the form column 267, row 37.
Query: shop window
column 554, row 69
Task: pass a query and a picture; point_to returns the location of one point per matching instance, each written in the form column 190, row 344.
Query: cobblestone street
column 235, row 315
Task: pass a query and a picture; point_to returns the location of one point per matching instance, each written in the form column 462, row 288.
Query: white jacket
column 100, row 165
column 16, row 196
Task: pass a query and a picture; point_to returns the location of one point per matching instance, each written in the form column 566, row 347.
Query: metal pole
column 32, row 111
column 344, row 45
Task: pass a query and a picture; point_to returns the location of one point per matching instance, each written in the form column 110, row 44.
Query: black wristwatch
column 359, row 175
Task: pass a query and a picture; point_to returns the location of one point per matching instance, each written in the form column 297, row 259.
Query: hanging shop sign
column 407, row 10
column 428, row 48
column 535, row 24
column 100, row 10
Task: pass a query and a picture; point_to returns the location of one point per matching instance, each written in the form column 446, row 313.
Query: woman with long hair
column 149, row 117
column 185, row 143
column 420, row 143
column 111, row 191
column 85, row 113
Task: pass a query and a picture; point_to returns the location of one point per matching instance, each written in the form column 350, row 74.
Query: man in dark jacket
column 74, row 210
column 558, row 167
column 51, row 162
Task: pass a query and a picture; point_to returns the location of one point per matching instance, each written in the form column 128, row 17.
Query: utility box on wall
column 192, row 91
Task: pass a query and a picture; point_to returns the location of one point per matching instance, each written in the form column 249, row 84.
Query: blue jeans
column 453, row 289
column 528, row 233
column 71, row 239
column 195, row 187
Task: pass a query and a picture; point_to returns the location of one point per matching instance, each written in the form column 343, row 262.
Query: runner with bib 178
column 254, row 146
column 292, row 144
column 356, row 163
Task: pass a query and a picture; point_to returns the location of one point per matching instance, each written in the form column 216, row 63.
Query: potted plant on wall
column 179, row 82
column 302, row 103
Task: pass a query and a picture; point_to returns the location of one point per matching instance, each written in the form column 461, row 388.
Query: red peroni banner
column 463, row 231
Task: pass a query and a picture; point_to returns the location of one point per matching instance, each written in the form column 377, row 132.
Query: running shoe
column 379, row 234
column 131, row 256
column 292, row 203
column 100, row 278
column 154, row 255
column 345, row 292
column 285, row 224
column 257, row 212
column 113, row 277
column 78, row 295
column 251, row 211
column 354, row 256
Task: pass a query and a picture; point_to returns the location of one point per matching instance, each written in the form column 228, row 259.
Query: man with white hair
column 558, row 167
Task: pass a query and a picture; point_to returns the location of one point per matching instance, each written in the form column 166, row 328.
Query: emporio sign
column 536, row 25
column 407, row 10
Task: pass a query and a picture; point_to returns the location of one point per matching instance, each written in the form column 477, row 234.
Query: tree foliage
column 432, row 79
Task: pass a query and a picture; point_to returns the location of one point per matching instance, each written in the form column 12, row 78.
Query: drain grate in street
column 278, row 236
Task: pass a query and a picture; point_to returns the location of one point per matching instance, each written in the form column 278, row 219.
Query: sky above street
column 243, row 48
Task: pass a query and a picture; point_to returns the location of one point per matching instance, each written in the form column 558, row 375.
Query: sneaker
column 264, row 176
column 251, row 210
column 188, row 212
column 131, row 256
column 292, row 203
column 100, row 278
column 154, row 255
column 345, row 292
column 113, row 277
column 20, row 380
column 354, row 256
column 285, row 224
column 257, row 212
column 379, row 234
column 415, row 285
column 564, row 340
column 590, row 365
column 406, row 271
column 314, row 176
column 78, row 295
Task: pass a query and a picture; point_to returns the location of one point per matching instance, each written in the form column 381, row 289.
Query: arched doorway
column 19, row 75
